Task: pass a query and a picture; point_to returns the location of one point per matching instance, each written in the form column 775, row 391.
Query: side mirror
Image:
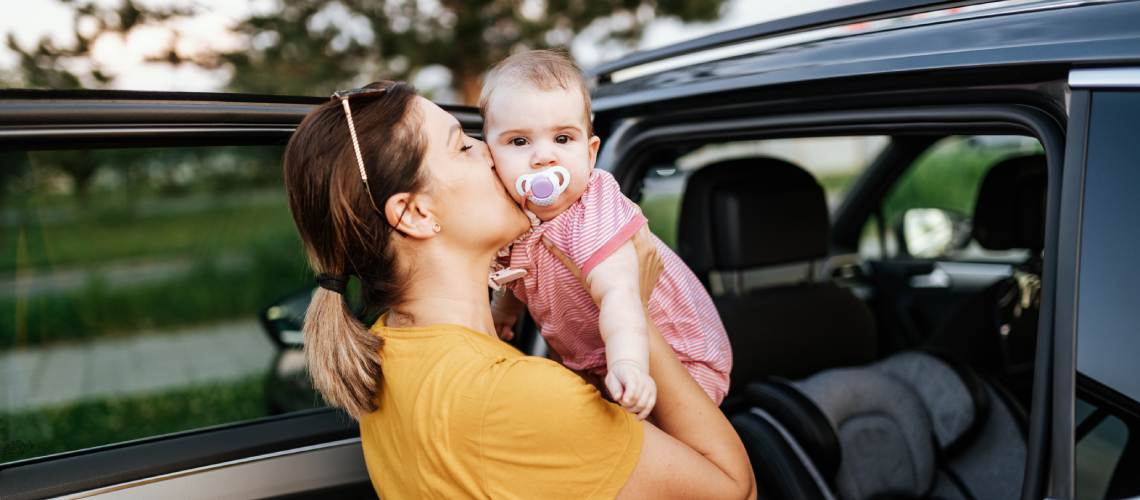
column 932, row 232
column 283, row 320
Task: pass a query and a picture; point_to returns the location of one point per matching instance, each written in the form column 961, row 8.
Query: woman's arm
column 695, row 453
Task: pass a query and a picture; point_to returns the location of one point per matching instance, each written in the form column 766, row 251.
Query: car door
column 146, row 251
column 1096, row 383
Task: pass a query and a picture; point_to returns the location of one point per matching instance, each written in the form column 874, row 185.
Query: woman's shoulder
column 540, row 390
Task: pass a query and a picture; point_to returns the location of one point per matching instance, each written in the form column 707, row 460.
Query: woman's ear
column 594, row 144
column 411, row 215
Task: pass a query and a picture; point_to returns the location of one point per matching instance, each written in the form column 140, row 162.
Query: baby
column 537, row 123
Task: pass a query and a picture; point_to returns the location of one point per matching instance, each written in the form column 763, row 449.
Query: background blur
column 132, row 280
column 310, row 46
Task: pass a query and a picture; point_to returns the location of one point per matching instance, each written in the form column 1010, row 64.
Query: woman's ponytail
column 343, row 356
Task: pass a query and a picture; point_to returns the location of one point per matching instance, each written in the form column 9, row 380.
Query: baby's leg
column 714, row 383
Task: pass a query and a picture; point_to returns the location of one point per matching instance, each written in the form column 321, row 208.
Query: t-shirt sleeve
column 604, row 220
column 546, row 433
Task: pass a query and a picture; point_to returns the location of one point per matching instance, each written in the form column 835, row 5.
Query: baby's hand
column 631, row 386
column 505, row 310
column 505, row 325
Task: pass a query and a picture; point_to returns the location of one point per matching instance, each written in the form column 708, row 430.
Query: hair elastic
column 333, row 283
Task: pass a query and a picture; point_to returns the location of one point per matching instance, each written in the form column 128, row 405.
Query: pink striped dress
column 587, row 232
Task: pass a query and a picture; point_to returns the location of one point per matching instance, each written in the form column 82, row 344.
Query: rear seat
column 910, row 426
column 764, row 215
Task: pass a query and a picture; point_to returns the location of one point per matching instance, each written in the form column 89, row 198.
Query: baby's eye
column 562, row 139
column 466, row 147
column 518, row 141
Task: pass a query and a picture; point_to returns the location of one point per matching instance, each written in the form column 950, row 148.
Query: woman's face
column 472, row 206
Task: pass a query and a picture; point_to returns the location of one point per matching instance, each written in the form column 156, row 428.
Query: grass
column 207, row 293
column 82, row 425
column 106, row 232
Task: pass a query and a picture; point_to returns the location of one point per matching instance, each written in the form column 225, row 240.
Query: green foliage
column 207, row 292
column 111, row 232
column 38, row 432
column 663, row 212
column 946, row 176
column 52, row 66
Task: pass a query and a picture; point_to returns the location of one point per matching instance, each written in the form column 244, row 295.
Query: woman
column 384, row 186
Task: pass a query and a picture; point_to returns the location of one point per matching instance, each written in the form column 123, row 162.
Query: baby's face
column 529, row 129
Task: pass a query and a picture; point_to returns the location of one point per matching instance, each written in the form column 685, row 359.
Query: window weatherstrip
column 1105, row 78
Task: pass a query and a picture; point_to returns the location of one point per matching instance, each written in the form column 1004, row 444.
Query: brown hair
column 344, row 234
column 544, row 69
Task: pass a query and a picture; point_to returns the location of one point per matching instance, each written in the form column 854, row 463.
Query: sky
column 29, row 20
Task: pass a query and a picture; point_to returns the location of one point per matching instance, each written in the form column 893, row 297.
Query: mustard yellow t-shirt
column 465, row 415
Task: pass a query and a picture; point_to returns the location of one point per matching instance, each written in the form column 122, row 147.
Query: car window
column 1108, row 335
column 931, row 205
column 132, row 282
column 1100, row 443
column 834, row 161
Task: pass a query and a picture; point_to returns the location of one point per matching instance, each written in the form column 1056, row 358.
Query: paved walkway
column 34, row 378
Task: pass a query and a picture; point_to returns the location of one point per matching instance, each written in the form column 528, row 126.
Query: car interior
column 827, row 406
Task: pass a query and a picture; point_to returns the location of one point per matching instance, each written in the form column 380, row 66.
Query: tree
column 52, row 66
column 310, row 47
column 48, row 65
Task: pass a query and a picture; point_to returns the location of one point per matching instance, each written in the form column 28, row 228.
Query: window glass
column 1108, row 319
column 937, row 194
column 834, row 161
column 1108, row 323
column 1098, row 452
column 131, row 282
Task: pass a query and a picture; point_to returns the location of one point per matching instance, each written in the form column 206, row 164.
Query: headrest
column 883, row 429
column 954, row 396
column 752, row 212
column 1010, row 211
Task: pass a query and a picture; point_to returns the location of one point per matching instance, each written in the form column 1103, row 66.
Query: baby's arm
column 614, row 286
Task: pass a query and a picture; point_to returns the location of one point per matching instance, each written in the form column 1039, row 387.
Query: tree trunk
column 469, row 85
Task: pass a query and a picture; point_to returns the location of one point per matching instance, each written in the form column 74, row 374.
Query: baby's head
column 536, row 116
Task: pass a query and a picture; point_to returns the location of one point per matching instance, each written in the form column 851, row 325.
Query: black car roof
column 862, row 11
column 1071, row 33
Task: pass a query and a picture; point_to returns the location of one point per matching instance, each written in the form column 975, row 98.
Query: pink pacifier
column 544, row 186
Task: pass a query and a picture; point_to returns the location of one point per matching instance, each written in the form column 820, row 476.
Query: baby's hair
column 544, row 69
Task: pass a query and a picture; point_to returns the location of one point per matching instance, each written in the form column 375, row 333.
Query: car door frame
column 632, row 136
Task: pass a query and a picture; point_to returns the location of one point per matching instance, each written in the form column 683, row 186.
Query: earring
column 435, row 227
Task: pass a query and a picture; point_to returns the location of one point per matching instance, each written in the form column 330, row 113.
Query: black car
column 910, row 215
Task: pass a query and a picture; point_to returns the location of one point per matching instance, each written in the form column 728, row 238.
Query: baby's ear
column 594, row 144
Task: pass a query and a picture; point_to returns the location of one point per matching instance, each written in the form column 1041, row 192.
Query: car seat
column 910, row 426
column 765, row 215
